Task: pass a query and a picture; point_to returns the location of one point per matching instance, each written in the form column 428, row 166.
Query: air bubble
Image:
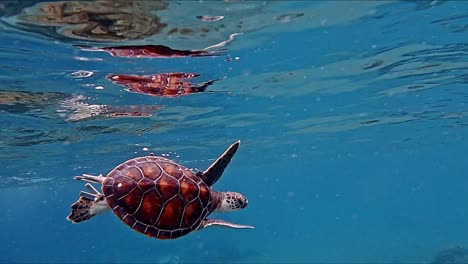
column 81, row 74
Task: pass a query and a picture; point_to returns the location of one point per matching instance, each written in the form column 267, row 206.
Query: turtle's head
column 231, row 201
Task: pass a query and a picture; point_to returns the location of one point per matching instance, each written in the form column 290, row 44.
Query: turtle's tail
column 84, row 209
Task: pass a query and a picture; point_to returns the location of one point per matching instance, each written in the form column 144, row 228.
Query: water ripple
column 295, row 96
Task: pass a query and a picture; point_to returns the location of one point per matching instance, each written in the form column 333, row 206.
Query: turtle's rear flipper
column 90, row 178
column 217, row 222
column 81, row 210
column 85, row 208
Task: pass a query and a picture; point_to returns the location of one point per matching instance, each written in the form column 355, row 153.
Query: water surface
column 352, row 117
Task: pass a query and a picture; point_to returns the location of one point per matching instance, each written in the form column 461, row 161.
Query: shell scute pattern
column 131, row 201
column 127, row 218
column 192, row 212
column 151, row 231
column 172, row 169
column 157, row 196
column 146, row 184
column 140, row 227
column 171, row 213
column 151, row 170
column 188, row 189
column 204, row 195
column 168, row 187
column 151, row 203
column 132, row 172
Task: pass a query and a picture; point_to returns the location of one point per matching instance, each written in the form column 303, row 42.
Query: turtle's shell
column 157, row 197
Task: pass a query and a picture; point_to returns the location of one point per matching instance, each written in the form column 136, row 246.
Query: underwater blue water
column 352, row 117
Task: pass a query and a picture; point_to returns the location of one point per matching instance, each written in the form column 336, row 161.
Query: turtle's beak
column 245, row 204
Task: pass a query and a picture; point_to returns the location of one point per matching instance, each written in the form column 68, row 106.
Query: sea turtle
column 151, row 51
column 171, row 84
column 160, row 198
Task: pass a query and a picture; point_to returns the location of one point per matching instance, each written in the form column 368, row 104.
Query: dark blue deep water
column 353, row 118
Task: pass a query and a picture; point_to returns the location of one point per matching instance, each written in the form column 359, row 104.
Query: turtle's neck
column 217, row 198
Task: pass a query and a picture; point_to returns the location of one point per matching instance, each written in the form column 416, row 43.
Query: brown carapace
column 172, row 84
column 159, row 197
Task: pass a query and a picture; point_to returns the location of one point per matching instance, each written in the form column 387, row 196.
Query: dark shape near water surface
column 80, row 110
column 159, row 197
column 151, row 51
column 104, row 20
column 70, row 107
column 23, row 101
column 161, row 84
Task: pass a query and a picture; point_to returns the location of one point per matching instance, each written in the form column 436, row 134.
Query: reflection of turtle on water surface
column 109, row 20
column 82, row 110
column 98, row 20
column 23, row 101
column 172, row 84
column 151, row 51
column 72, row 108
column 160, row 198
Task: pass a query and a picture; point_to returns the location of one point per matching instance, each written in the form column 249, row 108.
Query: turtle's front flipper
column 211, row 175
column 217, row 222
